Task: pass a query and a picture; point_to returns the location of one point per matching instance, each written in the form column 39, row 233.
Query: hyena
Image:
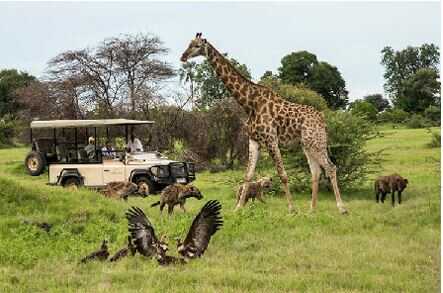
column 255, row 189
column 120, row 189
column 177, row 194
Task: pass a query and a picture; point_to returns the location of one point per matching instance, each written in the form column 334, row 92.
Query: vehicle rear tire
column 35, row 163
column 71, row 183
column 145, row 186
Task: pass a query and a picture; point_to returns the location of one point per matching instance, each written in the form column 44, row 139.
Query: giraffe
column 273, row 122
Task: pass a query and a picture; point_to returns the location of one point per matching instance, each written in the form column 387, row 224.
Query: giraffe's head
column 197, row 47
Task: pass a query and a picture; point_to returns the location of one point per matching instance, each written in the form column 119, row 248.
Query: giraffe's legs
column 315, row 173
column 274, row 151
column 321, row 156
column 254, row 150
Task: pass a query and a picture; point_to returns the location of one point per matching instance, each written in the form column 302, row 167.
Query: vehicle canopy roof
column 86, row 123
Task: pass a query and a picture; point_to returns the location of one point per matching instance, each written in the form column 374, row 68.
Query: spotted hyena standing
column 177, row 194
column 255, row 189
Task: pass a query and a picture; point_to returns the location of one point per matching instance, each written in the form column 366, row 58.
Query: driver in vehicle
column 108, row 151
column 134, row 144
column 90, row 148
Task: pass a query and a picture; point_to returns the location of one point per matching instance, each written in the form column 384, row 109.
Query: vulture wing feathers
column 205, row 224
column 141, row 231
column 101, row 254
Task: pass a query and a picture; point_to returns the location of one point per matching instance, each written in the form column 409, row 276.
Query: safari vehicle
column 60, row 146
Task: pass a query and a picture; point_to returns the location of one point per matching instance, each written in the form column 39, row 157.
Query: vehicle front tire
column 35, row 163
column 71, row 183
column 145, row 186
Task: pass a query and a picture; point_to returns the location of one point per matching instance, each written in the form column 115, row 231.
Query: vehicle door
column 113, row 171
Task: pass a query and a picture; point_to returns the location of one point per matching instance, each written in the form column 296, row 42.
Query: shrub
column 399, row 116
column 347, row 137
column 227, row 138
column 435, row 139
column 300, row 94
column 393, row 115
column 8, row 130
column 417, row 121
column 433, row 114
column 364, row 109
column 177, row 150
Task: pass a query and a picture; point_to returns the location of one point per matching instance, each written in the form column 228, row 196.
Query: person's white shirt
column 135, row 146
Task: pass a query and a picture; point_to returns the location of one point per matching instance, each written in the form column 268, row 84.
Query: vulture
column 123, row 252
column 143, row 235
column 101, row 254
column 205, row 224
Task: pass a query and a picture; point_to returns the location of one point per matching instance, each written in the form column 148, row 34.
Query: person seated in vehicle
column 90, row 148
column 134, row 144
column 108, row 151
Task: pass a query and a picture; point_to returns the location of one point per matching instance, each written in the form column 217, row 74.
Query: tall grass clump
column 435, row 139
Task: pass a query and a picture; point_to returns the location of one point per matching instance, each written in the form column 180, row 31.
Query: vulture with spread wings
column 143, row 235
column 206, row 223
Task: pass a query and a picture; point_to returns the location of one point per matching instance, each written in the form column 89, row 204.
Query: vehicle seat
column 83, row 155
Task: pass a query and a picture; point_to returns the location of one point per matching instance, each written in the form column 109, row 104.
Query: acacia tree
column 136, row 60
column 118, row 74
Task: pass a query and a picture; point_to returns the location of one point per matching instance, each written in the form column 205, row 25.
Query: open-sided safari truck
column 61, row 146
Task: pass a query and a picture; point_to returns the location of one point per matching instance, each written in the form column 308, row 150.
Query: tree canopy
column 206, row 87
column 121, row 72
column 322, row 77
column 412, row 76
column 378, row 102
column 10, row 81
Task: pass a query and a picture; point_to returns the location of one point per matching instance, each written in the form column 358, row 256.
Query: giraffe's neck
column 244, row 91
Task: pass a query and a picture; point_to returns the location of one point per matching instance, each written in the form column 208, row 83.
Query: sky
column 348, row 35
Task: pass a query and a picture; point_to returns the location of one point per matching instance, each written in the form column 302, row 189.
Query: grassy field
column 262, row 248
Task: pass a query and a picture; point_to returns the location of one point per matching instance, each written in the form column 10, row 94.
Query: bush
column 8, row 130
column 435, row 139
column 395, row 116
column 433, row 114
column 300, row 94
column 417, row 121
column 177, row 150
column 364, row 109
column 201, row 136
column 399, row 116
column 347, row 134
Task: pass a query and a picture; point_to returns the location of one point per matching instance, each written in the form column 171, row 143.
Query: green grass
column 262, row 248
